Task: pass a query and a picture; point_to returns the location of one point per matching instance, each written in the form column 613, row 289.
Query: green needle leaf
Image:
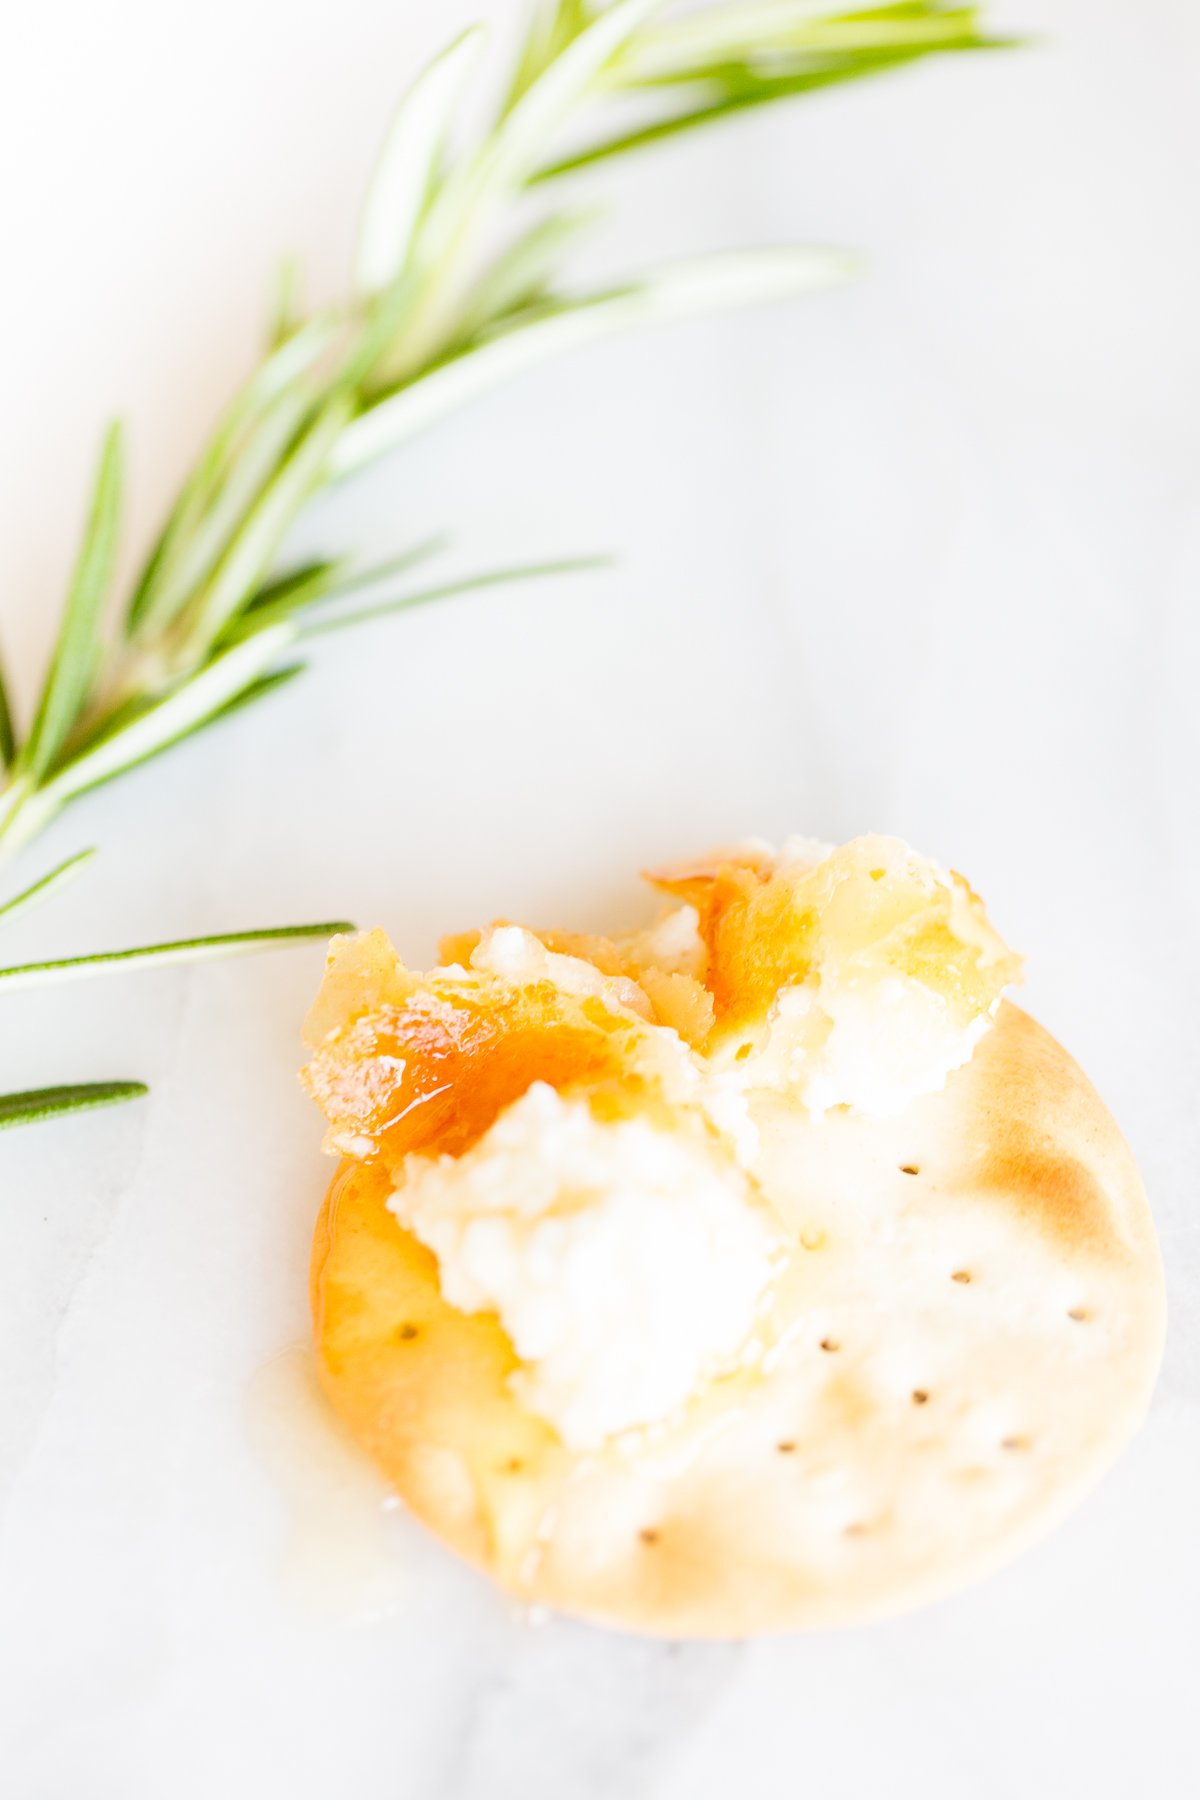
column 551, row 27
column 706, row 44
column 51, row 1103
column 469, row 584
column 181, row 950
column 353, row 578
column 76, row 654
column 298, row 593
column 517, row 143
column 409, row 164
column 296, row 586
column 48, row 884
column 8, row 736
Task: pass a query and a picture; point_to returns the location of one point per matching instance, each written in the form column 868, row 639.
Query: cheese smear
column 627, row 1258
column 626, row 1262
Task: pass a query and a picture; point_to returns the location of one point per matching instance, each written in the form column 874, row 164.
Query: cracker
column 967, row 1335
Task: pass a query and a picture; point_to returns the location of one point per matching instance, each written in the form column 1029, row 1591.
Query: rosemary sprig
column 179, row 950
column 457, row 284
column 53, row 1102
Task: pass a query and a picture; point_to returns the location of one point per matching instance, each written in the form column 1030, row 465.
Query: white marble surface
column 921, row 556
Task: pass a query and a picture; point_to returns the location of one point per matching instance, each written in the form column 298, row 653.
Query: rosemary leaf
column 409, row 164
column 307, row 587
column 73, row 666
column 180, row 950
column 450, row 590
column 704, row 44
column 516, row 145
column 8, row 734
column 37, row 1104
column 287, row 592
column 371, row 574
column 47, row 885
column 553, row 24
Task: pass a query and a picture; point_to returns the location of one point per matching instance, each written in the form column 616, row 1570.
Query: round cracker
column 967, row 1333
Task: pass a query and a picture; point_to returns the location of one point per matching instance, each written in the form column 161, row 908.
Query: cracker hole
column 1014, row 1443
column 406, row 1333
column 909, row 1169
column 787, row 1448
column 829, row 1345
column 648, row 1535
column 962, row 1276
column 513, row 1466
column 920, row 1396
column 856, row 1530
column 812, row 1239
column 1080, row 1314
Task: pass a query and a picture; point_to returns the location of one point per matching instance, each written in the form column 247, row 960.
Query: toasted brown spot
column 1014, row 1443
column 648, row 1535
column 1080, row 1314
column 858, row 1529
column 1058, row 1191
column 742, row 1052
column 786, row 1448
column 830, row 1344
column 513, row 1466
column 961, row 1275
column 406, row 1333
column 909, row 1169
column 1036, row 1150
column 919, row 1396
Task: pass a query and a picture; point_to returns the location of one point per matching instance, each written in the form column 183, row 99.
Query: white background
column 922, row 555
